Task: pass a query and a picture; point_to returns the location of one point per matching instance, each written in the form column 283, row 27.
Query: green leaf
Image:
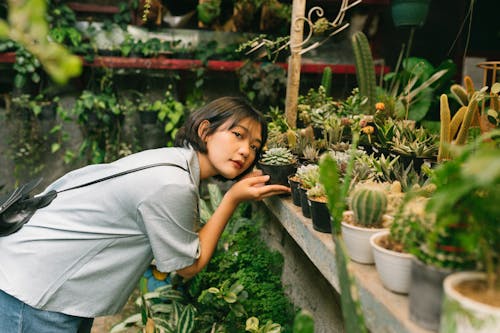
column 303, row 322
column 186, row 321
column 230, row 297
column 133, row 320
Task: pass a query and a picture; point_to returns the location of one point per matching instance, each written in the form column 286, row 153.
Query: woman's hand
column 253, row 187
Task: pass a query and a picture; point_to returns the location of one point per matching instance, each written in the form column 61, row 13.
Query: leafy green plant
column 161, row 310
column 467, row 190
column 208, row 11
column 100, row 118
column 170, row 113
column 411, row 89
column 242, row 256
column 263, row 84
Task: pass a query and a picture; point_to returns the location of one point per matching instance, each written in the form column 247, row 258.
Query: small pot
column 304, row 204
column 394, row 268
column 462, row 314
column 426, row 294
column 357, row 242
column 279, row 173
column 294, row 187
column 320, row 216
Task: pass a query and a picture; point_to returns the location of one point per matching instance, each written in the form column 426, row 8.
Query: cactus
column 444, row 139
column 365, row 71
column 369, row 203
column 466, row 123
column 278, row 156
column 460, row 94
column 456, row 121
column 326, row 80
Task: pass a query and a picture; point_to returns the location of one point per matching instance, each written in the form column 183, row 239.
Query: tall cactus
column 444, row 138
column 326, row 80
column 368, row 204
column 365, row 71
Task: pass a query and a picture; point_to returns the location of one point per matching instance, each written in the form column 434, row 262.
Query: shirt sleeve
column 170, row 215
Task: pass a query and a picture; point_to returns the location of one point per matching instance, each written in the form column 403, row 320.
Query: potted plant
column 278, row 163
column 308, row 176
column 457, row 233
column 467, row 192
column 392, row 259
column 320, row 214
column 368, row 204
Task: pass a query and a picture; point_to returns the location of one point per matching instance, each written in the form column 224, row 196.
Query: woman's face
column 231, row 151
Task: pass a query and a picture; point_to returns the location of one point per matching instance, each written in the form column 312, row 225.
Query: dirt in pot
column 387, row 243
column 478, row 291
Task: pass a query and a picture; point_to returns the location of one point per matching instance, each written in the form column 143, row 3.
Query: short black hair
column 218, row 112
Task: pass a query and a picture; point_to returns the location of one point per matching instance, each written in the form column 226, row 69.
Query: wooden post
column 294, row 62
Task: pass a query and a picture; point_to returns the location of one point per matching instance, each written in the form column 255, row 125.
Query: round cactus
column 368, row 204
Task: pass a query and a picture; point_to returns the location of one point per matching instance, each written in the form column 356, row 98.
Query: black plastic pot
column 304, row 204
column 279, row 173
column 294, row 186
column 320, row 216
column 426, row 294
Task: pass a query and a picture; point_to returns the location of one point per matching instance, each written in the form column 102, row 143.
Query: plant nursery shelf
column 188, row 64
column 384, row 311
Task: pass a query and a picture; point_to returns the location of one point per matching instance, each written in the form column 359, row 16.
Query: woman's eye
column 254, row 148
column 238, row 134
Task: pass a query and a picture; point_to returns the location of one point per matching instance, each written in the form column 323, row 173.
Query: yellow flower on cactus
column 380, row 106
column 368, row 130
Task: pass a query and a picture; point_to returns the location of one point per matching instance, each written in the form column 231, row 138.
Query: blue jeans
column 19, row 317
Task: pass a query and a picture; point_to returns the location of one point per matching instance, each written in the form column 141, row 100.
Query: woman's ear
column 203, row 129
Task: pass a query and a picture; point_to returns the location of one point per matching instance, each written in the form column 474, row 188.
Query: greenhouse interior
column 200, row 165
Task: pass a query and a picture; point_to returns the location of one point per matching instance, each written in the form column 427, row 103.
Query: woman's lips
column 237, row 164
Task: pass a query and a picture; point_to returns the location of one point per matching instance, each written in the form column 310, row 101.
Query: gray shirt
column 84, row 253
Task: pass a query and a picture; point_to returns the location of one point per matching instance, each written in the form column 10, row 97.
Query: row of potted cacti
column 441, row 223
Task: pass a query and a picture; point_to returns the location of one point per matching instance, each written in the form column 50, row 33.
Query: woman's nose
column 245, row 149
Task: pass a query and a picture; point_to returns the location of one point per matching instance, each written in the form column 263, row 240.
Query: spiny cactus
column 326, row 80
column 444, row 139
column 369, row 203
column 278, row 156
column 365, row 71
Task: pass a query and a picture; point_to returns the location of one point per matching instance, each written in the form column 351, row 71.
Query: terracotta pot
column 460, row 314
column 394, row 268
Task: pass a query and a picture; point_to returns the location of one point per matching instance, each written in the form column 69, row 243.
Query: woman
column 82, row 255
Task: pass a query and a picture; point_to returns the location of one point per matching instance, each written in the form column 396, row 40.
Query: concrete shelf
column 384, row 311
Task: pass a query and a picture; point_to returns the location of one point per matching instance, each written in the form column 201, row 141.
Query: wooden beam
column 294, row 62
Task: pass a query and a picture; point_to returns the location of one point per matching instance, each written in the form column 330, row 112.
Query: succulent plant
column 317, row 192
column 278, row 156
column 308, row 175
column 368, row 203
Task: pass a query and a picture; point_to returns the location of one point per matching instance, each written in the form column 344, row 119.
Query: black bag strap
column 121, row 174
